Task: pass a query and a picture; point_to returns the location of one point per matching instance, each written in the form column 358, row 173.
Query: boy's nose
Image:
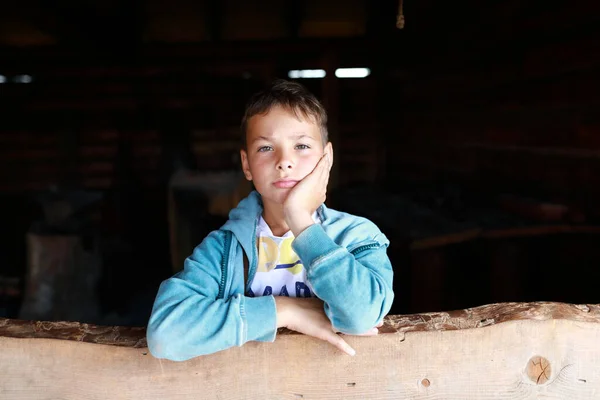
column 284, row 164
column 285, row 160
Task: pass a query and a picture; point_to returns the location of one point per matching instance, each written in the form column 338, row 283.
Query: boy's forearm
column 357, row 293
column 282, row 304
column 287, row 308
column 298, row 221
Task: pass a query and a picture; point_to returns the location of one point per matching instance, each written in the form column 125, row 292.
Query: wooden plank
column 99, row 151
column 262, row 20
column 94, row 136
column 24, row 138
column 444, row 240
column 98, row 167
column 208, row 146
column 472, row 234
column 569, row 56
column 488, row 352
column 575, row 153
column 97, row 183
column 559, row 18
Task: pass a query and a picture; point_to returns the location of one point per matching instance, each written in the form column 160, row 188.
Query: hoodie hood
column 242, row 220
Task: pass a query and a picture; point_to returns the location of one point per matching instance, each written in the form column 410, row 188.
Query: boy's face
column 281, row 151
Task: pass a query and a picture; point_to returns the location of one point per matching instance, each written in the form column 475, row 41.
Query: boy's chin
column 276, row 197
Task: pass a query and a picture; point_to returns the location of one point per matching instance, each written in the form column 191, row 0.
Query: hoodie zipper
column 364, row 247
column 226, row 250
column 251, row 266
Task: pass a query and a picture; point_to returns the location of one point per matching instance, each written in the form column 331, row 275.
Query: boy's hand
column 307, row 196
column 308, row 317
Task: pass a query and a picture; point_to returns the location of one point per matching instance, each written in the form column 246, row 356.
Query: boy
column 283, row 259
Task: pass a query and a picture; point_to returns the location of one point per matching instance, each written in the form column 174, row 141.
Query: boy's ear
column 245, row 164
column 329, row 149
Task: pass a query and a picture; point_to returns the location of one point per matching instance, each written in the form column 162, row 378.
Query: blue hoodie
column 203, row 309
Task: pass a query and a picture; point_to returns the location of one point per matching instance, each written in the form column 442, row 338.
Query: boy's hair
column 291, row 96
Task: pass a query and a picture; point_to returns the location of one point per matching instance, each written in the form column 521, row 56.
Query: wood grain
column 498, row 351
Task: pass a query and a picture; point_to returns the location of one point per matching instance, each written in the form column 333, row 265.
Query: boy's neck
column 274, row 217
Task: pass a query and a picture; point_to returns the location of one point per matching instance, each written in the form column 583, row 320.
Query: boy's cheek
column 313, row 160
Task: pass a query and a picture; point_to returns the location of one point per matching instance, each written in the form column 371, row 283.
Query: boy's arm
column 188, row 319
column 356, row 288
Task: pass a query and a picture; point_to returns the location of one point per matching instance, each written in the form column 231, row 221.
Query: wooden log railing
column 498, row 351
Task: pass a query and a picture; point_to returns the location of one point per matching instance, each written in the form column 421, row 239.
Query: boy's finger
column 328, row 160
column 319, row 165
column 323, row 168
column 326, row 166
column 340, row 343
column 325, row 162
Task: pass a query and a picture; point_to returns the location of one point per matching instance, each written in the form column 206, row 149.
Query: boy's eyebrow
column 260, row 138
column 303, row 136
column 296, row 137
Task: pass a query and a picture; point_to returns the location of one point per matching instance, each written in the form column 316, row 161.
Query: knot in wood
column 425, row 382
column 539, row 370
column 583, row 307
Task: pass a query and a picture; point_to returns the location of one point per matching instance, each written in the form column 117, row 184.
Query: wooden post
column 500, row 351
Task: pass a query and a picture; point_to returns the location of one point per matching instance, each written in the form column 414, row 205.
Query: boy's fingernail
column 351, row 351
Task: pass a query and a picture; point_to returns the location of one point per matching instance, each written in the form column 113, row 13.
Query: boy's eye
column 302, row 147
column 264, row 148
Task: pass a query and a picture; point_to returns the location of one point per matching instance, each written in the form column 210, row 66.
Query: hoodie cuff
column 313, row 243
column 260, row 316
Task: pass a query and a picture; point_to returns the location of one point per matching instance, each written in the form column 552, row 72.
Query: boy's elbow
column 158, row 345
column 357, row 324
column 160, row 348
column 163, row 345
column 357, row 328
column 363, row 319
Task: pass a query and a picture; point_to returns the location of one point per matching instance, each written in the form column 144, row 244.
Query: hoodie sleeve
column 188, row 319
column 356, row 286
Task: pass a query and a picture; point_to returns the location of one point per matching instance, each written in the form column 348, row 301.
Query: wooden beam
column 477, row 233
column 116, row 30
column 214, row 19
column 295, row 11
column 209, row 51
column 381, row 18
column 501, row 351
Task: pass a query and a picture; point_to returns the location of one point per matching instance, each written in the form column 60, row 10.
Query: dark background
column 474, row 143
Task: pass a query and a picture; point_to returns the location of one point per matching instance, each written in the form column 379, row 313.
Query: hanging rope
column 400, row 16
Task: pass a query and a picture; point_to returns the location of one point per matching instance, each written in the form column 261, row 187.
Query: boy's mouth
column 285, row 183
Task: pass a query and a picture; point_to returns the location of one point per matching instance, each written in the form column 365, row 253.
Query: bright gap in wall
column 320, row 73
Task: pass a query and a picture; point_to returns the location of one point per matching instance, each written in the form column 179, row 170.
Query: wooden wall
column 123, row 126
column 503, row 99
column 84, row 122
column 500, row 99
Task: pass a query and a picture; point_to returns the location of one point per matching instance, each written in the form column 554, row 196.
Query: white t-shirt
column 279, row 271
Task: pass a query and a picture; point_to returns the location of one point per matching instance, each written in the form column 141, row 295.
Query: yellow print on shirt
column 271, row 256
